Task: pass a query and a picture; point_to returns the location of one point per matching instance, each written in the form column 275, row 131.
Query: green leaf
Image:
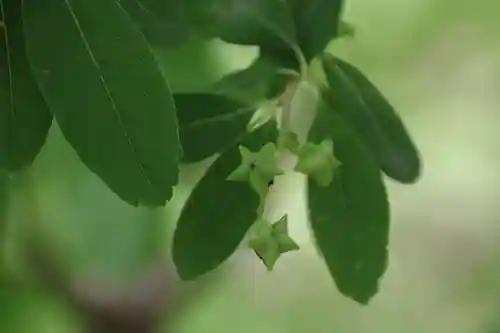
column 350, row 217
column 374, row 119
column 218, row 213
column 24, row 117
column 161, row 21
column 282, row 55
column 101, row 82
column 209, row 124
column 317, row 23
column 257, row 22
column 260, row 81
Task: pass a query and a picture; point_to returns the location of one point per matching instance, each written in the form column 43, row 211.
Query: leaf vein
column 108, row 92
column 9, row 60
column 272, row 27
column 222, row 117
column 150, row 13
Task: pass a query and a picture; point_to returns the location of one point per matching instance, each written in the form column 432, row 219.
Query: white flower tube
column 299, row 112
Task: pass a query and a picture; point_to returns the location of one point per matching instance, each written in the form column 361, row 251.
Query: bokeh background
column 77, row 248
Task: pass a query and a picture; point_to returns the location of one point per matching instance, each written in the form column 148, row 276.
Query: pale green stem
column 288, row 72
column 304, row 67
column 286, row 103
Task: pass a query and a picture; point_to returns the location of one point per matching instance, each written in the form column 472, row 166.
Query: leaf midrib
column 9, row 63
column 218, row 118
column 269, row 25
column 108, row 93
column 364, row 104
column 151, row 14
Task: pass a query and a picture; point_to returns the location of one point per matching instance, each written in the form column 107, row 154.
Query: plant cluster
column 90, row 67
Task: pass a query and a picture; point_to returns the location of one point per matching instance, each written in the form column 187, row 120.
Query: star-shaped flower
column 318, row 161
column 266, row 162
column 271, row 241
column 257, row 168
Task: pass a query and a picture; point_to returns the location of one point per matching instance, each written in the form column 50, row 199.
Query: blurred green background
column 439, row 64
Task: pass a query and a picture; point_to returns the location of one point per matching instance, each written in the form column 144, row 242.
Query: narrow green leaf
column 218, row 213
column 101, row 82
column 161, row 21
column 257, row 22
column 370, row 114
column 260, row 81
column 317, row 23
column 350, row 217
column 209, row 124
column 24, row 117
column 282, row 55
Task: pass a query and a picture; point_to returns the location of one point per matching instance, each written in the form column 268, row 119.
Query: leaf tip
column 405, row 170
column 184, row 271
